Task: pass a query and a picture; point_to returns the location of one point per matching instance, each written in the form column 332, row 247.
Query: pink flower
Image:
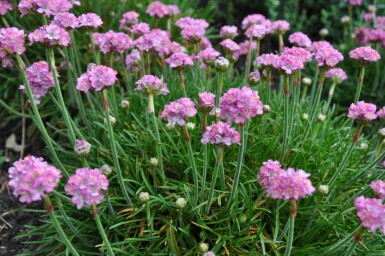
column 354, row 2
column 129, row 19
column 328, row 57
column 279, row 27
column 315, row 46
column 173, row 9
column 228, row 32
column 290, row 184
column 206, row 101
column 158, row 9
column 193, row 34
column 90, row 21
column 254, row 78
column 208, row 56
column 362, row 110
column 256, row 31
column 238, row 105
column 31, row 178
column 12, row 40
column 368, row 17
column 287, row 64
column 378, row 187
column 265, row 172
column 140, row 28
column 205, row 43
column 46, row 7
column 230, row 46
column 364, row 55
column 178, row 111
column 50, row 36
column 151, row 85
column 338, row 75
column 300, row 39
column 188, row 21
column 5, row 7
column 147, row 42
column 245, row 47
column 380, row 22
column 96, row 78
column 86, row 187
column 371, row 213
column 267, row 60
column 179, row 60
column 252, row 19
column 40, row 80
column 301, row 53
column 82, row 148
column 221, row 134
column 381, row 113
column 65, row 20
column 133, row 61
column 113, row 42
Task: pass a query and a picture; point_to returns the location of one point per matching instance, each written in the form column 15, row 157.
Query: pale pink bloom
column 177, row 112
column 5, row 7
column 90, row 21
column 50, row 36
column 288, row 64
column 267, row 60
column 378, row 187
column 113, row 42
column 299, row 52
column 230, row 46
column 381, row 113
column 96, row 78
column 65, row 20
column 128, row 19
column 151, row 85
column 158, row 9
column 147, row 42
column 179, row 60
column 206, row 101
column 193, row 34
column 221, row 134
column 252, row 19
column 188, row 21
column 380, row 22
column 300, row 39
column 254, row 78
column 46, row 7
column 371, row 213
column 11, row 40
column 267, row 169
column 208, row 56
column 337, row 75
column 228, row 32
column 82, row 148
column 368, row 17
column 364, row 55
column 279, row 27
column 362, row 110
column 256, row 31
column 173, row 9
column 140, row 28
column 354, row 2
column 315, row 46
column 328, row 57
column 245, row 47
column 205, row 43
column 133, row 61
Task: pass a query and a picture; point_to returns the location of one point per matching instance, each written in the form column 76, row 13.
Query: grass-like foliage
column 139, row 162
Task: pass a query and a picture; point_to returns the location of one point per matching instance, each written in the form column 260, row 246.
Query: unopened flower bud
column 112, row 119
column 169, row 126
column 154, row 161
column 190, row 126
column 124, row 103
column 372, row 8
column 222, row 64
column 321, row 117
column 324, row 32
column 381, row 133
column 323, row 189
column 343, row 47
column 306, row 81
column 305, row 116
column 345, row 19
column 82, row 148
column 243, row 219
column 215, row 113
column 203, row 247
column 254, row 78
column 266, row 109
column 364, row 145
column 106, row 170
column 144, row 197
column 181, row 203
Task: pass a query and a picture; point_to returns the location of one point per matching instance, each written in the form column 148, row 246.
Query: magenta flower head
column 301, row 53
column 177, row 112
column 113, row 42
column 328, row 57
column 354, row 2
column 371, row 213
column 300, row 39
column 364, row 55
column 267, row 60
column 193, row 34
column 229, row 46
column 133, row 61
column 97, row 78
column 128, row 19
column 31, row 178
column 65, row 20
column 45, row 7
column 290, row 184
column 188, row 21
column 221, row 134
column 173, row 9
column 40, row 80
column 5, row 7
column 266, row 171
column 253, row 19
column 362, row 111
column 206, row 101
column 208, row 56
column 151, row 85
column 140, row 28
column 287, row 64
column 90, row 21
column 50, row 36
column 86, row 187
column 315, row 46
column 158, row 9
column 238, row 105
column 11, row 41
column 256, row 31
column 147, row 42
column 179, row 61
column 337, row 75
column 279, row 27
column 378, row 187
column 228, row 32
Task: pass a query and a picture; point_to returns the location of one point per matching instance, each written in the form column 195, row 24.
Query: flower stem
column 360, row 84
column 63, row 236
column 330, row 96
column 281, row 45
column 113, row 147
column 286, row 117
column 219, row 88
column 101, row 230
column 182, row 84
column 290, row 239
column 219, row 164
column 39, row 122
column 248, row 59
column 93, row 48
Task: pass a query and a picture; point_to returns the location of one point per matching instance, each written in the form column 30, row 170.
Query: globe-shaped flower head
column 364, row 55
column 151, row 85
column 221, row 134
column 179, row 61
column 177, row 112
column 362, row 111
column 50, row 36
column 206, row 101
column 267, row 169
column 337, row 75
column 371, row 213
column 378, row 187
column 96, row 78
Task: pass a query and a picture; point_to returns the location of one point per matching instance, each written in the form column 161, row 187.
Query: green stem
column 219, row 88
column 205, row 156
column 290, row 239
column 93, row 48
column 342, row 243
column 101, row 230
column 286, row 117
column 281, row 45
column 113, row 147
column 148, row 66
column 51, row 59
column 63, row 236
column 218, row 165
column 330, row 96
column 75, row 52
column 351, row 249
column 248, row 59
column 182, row 84
column 193, row 166
column 360, row 84
column 6, row 24
column 39, row 122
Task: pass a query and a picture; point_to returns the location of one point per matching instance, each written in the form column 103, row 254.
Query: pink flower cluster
column 151, row 85
column 179, row 61
column 40, row 80
column 287, row 64
column 221, row 134
column 364, row 55
column 50, row 36
column 354, row 2
column 328, row 57
column 178, row 111
column 97, row 78
column 238, row 105
column 266, row 171
column 279, row 27
column 366, row 35
column 11, row 41
column 362, row 110
column 31, row 178
column 253, row 19
column 371, row 213
column 299, row 52
column 89, row 21
column 378, row 187
column 46, row 7
column 140, row 29
column 206, row 101
column 300, row 39
column 337, row 75
column 160, row 10
column 267, row 60
column 65, row 20
column 380, row 22
column 208, row 56
column 188, row 21
column 228, row 32
column 381, row 113
column 129, row 19
column 257, row 31
column 115, row 42
column 317, row 45
column 5, row 7
column 193, row 33
column 86, row 187
column 133, row 62
column 230, row 46
column 287, row 184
